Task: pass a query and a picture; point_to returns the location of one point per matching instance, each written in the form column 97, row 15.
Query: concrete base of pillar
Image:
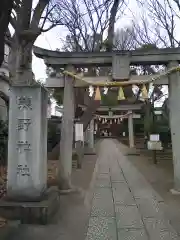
column 32, row 212
column 89, row 151
column 175, row 192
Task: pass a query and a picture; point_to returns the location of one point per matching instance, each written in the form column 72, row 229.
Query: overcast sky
column 49, row 40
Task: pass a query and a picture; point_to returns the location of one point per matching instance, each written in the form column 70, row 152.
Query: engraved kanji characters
column 23, row 124
column 23, row 170
column 23, row 146
column 24, row 102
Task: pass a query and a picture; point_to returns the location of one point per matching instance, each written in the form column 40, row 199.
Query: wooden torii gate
column 120, row 62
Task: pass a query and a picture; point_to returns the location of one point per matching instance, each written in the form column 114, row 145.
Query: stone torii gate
column 121, row 107
column 120, row 62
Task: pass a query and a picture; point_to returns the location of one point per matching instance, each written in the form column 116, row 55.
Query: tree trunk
column 20, row 63
column 112, row 20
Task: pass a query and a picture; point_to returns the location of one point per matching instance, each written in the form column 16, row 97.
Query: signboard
column 157, row 112
column 154, row 137
column 153, row 145
column 136, row 116
column 79, row 133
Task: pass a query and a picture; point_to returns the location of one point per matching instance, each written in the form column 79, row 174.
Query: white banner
column 79, row 133
column 154, row 137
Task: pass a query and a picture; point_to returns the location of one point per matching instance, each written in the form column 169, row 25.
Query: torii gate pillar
column 131, row 130
column 90, row 139
column 174, row 106
column 66, row 144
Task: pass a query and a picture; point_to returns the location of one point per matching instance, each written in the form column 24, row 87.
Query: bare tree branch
column 112, row 20
column 87, row 22
column 165, row 17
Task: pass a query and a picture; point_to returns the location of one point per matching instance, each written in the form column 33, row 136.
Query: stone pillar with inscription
column 27, row 144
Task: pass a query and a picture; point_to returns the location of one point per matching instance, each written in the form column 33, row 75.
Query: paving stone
column 103, row 169
column 141, row 189
column 122, row 194
column 136, row 182
column 127, row 167
column 132, row 234
column 115, row 166
column 103, row 176
column 157, row 196
column 102, row 204
column 101, row 228
column 121, row 186
column 152, row 224
column 103, row 193
column 103, row 180
column 141, row 192
column 138, row 212
column 117, row 176
column 159, row 229
column 128, row 217
column 163, row 235
column 100, row 182
column 149, row 208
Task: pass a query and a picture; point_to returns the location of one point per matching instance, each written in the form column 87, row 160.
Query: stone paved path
column 124, row 205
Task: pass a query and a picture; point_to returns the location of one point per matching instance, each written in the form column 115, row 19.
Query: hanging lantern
column 144, row 92
column 121, row 94
column 97, row 95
